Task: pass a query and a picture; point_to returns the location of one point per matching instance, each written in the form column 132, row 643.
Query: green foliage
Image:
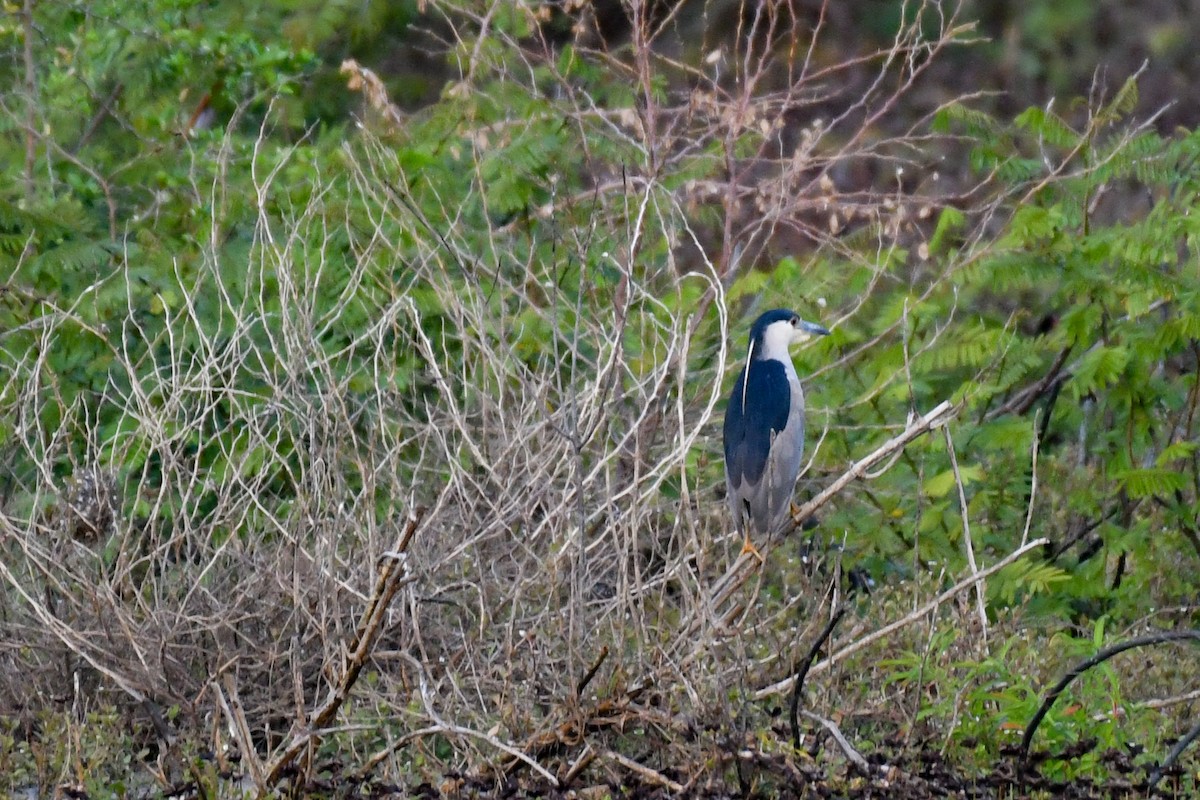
column 286, row 269
column 1080, row 315
column 1071, row 330
column 1027, row 577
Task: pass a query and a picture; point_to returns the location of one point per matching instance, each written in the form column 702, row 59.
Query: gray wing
column 757, row 412
column 787, row 453
column 767, row 500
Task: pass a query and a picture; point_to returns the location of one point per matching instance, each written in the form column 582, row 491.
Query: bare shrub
column 543, row 382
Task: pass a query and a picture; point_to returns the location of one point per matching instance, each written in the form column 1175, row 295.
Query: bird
column 764, row 427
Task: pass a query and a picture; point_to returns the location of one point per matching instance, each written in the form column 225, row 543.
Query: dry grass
column 214, row 549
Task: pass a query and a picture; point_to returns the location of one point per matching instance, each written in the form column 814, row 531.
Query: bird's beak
column 806, row 330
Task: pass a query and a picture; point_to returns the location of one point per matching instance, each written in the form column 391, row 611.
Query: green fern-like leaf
column 1099, row 368
column 1124, row 101
column 1027, row 577
column 1151, row 482
column 1174, row 452
column 75, row 256
column 978, row 123
column 971, row 348
column 1047, row 126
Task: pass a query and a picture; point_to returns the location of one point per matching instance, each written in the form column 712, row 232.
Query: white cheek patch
column 800, row 335
column 778, row 336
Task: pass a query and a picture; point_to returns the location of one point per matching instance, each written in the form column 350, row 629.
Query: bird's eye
column 795, row 321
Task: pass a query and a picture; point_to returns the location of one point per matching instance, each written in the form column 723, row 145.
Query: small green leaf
column 941, row 484
column 1098, row 633
column 949, row 223
column 1099, row 368
column 1174, row 452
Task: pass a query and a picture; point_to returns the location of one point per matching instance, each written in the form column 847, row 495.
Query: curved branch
column 1176, row 751
column 1084, row 666
column 802, row 672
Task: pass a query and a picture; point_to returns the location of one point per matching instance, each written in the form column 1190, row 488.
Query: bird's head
column 774, row 331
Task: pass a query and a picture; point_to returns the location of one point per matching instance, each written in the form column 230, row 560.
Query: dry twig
column 392, row 575
column 908, row 619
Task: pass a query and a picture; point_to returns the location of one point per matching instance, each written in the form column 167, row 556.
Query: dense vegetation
column 295, row 301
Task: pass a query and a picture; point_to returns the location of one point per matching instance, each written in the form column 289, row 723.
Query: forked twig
column 578, row 765
column 843, row 743
column 391, row 577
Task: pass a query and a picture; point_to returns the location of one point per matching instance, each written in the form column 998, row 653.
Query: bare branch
column 915, row 616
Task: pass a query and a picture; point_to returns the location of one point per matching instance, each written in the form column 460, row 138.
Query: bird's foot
column 748, row 547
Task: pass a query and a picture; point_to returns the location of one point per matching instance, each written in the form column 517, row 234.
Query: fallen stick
column 1159, row 637
column 649, row 775
column 391, row 577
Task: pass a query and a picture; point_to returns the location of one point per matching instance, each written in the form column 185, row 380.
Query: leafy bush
column 239, row 352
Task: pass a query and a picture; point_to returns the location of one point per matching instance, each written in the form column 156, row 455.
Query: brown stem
column 356, row 653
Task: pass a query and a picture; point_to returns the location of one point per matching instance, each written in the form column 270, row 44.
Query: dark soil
column 919, row 773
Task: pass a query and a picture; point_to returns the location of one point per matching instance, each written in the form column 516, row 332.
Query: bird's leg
column 748, row 547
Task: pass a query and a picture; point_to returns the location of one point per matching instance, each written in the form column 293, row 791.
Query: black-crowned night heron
column 764, row 427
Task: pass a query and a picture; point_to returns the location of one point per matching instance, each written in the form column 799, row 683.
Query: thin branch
column 31, row 100
column 231, row 705
column 908, row 619
column 1033, row 480
column 802, row 670
column 592, row 670
column 1083, row 666
column 980, row 588
column 391, row 576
